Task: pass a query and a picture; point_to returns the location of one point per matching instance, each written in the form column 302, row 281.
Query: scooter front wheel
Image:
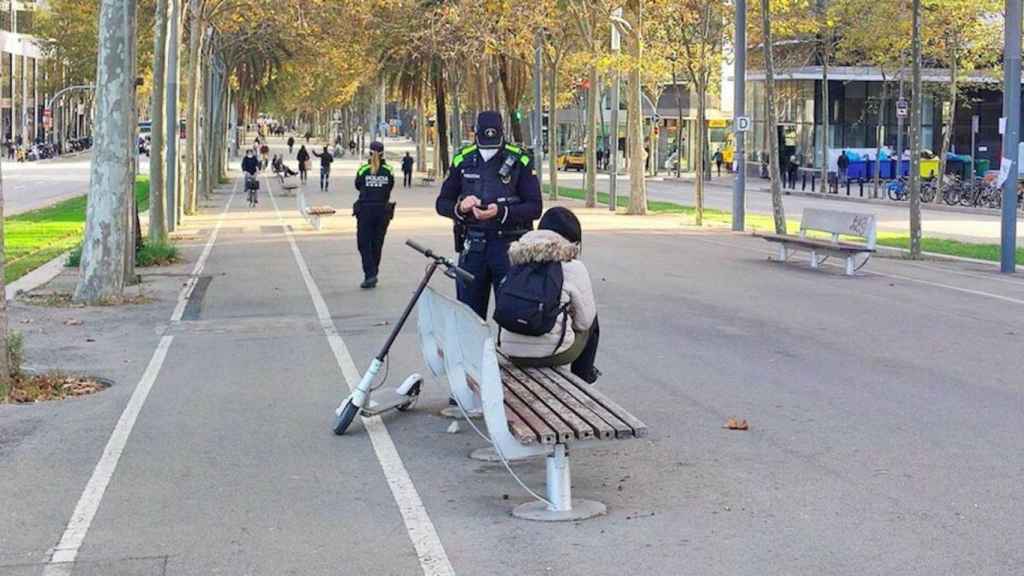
column 344, row 420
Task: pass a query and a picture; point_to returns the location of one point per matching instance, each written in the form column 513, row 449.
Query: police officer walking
column 373, row 211
column 493, row 196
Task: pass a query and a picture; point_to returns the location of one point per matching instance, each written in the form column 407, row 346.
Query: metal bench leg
column 849, row 266
column 814, row 259
column 562, row 507
column 783, row 253
column 315, row 221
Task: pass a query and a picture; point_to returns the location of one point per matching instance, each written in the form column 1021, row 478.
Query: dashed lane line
column 66, row 552
column 432, row 556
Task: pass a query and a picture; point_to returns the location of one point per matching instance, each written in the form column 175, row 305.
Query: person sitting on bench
column 280, row 167
column 574, row 338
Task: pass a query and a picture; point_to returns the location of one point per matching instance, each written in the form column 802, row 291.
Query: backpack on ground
column 529, row 299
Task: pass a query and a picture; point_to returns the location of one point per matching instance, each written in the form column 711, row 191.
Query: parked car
column 574, row 159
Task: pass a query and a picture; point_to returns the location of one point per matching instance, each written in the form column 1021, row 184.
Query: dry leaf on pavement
column 72, row 322
column 734, row 424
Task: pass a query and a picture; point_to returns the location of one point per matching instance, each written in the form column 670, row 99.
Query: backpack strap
column 565, row 324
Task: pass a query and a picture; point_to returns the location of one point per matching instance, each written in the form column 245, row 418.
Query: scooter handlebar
column 450, row 266
column 419, row 248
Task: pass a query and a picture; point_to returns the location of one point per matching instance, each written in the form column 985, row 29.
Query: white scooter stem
column 361, row 395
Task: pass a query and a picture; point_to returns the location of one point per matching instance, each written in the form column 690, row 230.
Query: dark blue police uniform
column 506, row 180
column 373, row 211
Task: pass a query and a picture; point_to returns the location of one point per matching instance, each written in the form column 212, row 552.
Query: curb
column 37, row 277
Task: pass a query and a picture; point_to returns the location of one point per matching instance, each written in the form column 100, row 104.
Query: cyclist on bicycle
column 250, row 166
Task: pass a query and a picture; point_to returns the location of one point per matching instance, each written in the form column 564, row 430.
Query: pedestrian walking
column 373, row 211
column 325, row 168
column 493, row 196
column 264, row 156
column 600, row 157
column 352, row 147
column 303, row 158
column 718, row 160
column 291, row 143
column 407, row 163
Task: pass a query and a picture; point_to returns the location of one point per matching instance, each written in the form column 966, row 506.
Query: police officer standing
column 373, row 211
column 493, row 196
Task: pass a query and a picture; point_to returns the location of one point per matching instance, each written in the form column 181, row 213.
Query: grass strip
column 763, row 222
column 33, row 238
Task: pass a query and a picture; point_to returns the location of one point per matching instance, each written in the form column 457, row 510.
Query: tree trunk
column 421, row 137
column 5, row 359
column 442, row 118
column 157, row 223
column 947, row 133
column 917, row 98
column 553, row 127
column 101, row 275
column 637, row 182
column 698, row 187
column 505, row 73
column 191, row 116
column 133, row 237
column 590, row 193
column 772, row 129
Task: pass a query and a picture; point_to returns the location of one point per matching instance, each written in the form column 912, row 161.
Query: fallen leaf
column 734, row 424
column 72, row 322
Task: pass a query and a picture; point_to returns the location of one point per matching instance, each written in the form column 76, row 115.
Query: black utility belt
column 478, row 235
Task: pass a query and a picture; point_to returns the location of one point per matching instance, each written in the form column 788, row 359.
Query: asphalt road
column 31, row 185
column 885, row 416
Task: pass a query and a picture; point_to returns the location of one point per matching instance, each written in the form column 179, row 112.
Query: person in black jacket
column 373, row 211
column 407, row 163
column 493, row 196
column 325, row 168
column 250, row 166
column 291, row 143
column 303, row 158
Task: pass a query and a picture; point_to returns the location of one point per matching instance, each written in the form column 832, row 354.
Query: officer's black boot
column 368, row 283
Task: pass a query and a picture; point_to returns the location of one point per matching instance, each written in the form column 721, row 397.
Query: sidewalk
column 860, row 442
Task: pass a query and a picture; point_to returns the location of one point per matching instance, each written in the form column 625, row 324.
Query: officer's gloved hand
column 488, row 214
column 468, row 204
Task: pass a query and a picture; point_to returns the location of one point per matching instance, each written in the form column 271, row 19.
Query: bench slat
column 514, row 387
column 815, row 243
column 608, row 424
column 521, row 430
column 524, row 424
column 529, row 378
column 639, row 428
column 602, row 429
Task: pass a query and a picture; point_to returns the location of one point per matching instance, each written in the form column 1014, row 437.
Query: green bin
column 980, row 168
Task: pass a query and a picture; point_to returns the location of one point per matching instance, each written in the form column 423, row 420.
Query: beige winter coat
column 577, row 292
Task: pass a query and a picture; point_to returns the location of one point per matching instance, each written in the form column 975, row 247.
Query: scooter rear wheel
column 344, row 420
column 414, row 395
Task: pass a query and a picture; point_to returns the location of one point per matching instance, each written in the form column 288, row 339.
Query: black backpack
column 529, row 299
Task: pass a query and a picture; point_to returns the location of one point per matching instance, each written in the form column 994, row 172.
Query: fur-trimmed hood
column 542, row 246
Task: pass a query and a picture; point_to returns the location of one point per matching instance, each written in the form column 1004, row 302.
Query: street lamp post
column 613, row 145
column 1011, row 134
column 739, row 110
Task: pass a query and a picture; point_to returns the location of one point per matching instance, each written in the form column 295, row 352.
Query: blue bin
column 858, row 169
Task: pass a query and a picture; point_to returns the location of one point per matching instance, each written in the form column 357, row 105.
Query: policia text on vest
column 508, row 200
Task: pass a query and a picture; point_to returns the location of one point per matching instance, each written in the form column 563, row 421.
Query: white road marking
column 66, row 551
column 433, row 558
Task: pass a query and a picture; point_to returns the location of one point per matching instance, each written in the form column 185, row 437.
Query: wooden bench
column 837, row 224
column 429, row 178
column 528, row 411
column 313, row 213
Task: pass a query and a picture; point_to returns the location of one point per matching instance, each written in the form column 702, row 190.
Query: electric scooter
column 407, row 393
